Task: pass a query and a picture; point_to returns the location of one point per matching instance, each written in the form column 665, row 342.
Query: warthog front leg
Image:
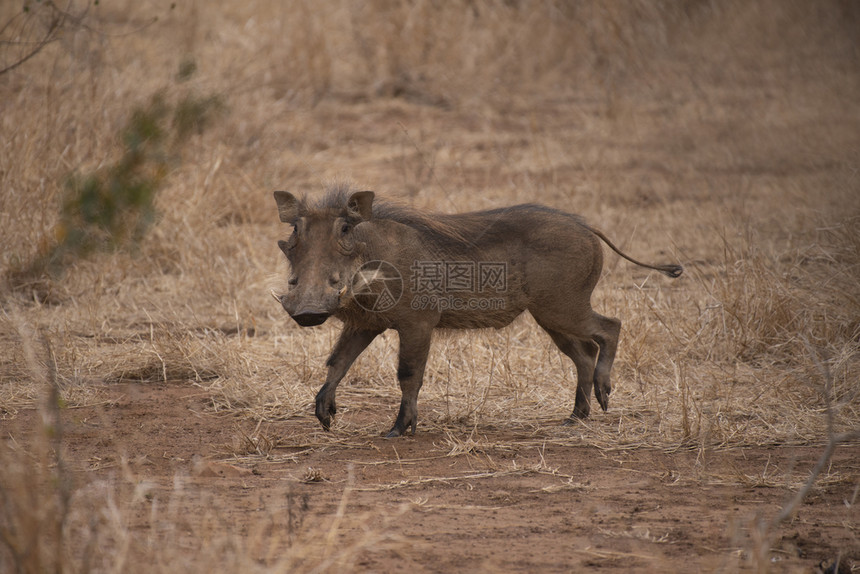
column 414, row 348
column 349, row 346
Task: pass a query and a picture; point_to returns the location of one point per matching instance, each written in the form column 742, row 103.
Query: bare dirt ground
column 511, row 501
column 724, row 136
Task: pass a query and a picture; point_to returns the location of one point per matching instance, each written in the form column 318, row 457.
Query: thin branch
column 836, row 440
column 58, row 19
column 833, row 441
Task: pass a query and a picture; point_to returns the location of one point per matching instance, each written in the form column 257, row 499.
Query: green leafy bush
column 112, row 207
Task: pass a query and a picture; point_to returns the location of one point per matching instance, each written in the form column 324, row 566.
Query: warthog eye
column 344, row 228
column 293, row 281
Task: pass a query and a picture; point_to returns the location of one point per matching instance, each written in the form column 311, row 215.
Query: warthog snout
column 308, row 315
column 307, row 318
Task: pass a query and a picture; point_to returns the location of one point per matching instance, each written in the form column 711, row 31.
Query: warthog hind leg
column 591, row 343
column 584, row 357
column 606, row 336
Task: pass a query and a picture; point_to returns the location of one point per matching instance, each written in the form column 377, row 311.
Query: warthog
column 376, row 265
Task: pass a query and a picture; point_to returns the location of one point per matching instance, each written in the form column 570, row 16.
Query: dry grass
column 669, row 125
column 50, row 525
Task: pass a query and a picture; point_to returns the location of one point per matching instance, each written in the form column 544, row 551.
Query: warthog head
column 324, row 254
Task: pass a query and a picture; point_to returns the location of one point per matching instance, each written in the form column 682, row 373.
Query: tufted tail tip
column 671, row 270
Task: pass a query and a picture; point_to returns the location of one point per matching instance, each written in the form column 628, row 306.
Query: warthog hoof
column 602, row 397
column 324, row 413
column 580, row 412
column 396, row 432
column 574, row 418
column 400, row 429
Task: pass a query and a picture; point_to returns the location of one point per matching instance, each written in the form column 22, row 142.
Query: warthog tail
column 669, row 269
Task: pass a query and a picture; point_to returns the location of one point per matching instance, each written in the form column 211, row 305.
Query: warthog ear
column 360, row 204
column 288, row 206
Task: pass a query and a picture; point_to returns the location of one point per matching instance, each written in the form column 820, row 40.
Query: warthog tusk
column 342, row 291
column 278, row 299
